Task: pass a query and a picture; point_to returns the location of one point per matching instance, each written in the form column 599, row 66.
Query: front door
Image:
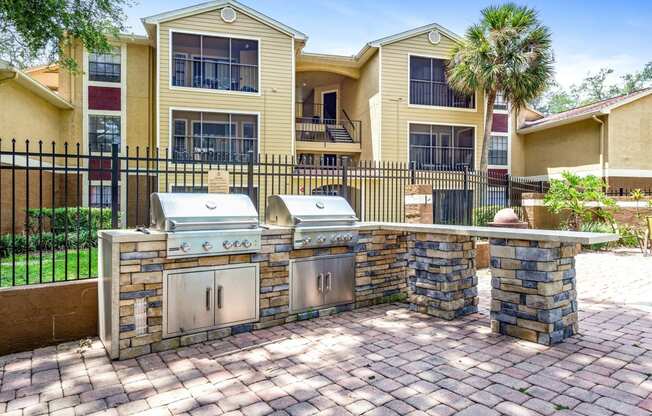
column 330, row 107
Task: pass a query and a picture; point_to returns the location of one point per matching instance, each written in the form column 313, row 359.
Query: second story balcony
column 315, row 123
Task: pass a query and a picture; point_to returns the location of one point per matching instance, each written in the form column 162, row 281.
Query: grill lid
column 309, row 210
column 202, row 211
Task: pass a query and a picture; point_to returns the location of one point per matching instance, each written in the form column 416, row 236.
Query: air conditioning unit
column 228, row 14
column 434, row 37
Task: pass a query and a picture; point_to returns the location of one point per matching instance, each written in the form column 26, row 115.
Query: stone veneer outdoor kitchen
column 432, row 266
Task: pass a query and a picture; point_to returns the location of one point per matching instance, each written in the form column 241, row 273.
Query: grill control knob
column 348, row 237
column 246, row 243
column 207, row 246
column 321, row 239
column 227, row 244
column 236, row 244
column 185, row 246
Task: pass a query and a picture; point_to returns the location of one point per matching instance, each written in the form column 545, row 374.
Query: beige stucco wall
column 139, row 93
column 71, row 89
column 273, row 103
column 630, row 136
column 517, row 142
column 394, row 63
column 574, row 147
column 356, row 95
column 27, row 117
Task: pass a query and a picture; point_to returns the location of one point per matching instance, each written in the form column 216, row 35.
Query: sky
column 587, row 35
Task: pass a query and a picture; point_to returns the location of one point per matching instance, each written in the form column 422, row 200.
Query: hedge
column 82, row 230
column 57, row 219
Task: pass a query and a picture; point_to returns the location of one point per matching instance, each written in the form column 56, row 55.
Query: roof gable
column 415, row 32
column 217, row 4
column 581, row 113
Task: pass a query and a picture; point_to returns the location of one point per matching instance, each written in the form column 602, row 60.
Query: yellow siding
column 139, row 92
column 28, row 117
column 394, row 86
column 630, row 135
column 274, row 103
column 574, row 146
column 71, row 89
column 355, row 100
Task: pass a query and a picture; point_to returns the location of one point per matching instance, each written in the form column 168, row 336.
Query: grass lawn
column 60, row 259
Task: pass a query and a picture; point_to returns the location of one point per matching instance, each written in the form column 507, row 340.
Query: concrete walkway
column 378, row 361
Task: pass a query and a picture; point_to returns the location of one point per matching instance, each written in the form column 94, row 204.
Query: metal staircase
column 339, row 134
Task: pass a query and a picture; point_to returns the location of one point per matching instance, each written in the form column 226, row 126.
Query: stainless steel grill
column 206, row 224
column 317, row 221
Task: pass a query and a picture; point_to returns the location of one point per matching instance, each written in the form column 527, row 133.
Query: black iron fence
column 55, row 198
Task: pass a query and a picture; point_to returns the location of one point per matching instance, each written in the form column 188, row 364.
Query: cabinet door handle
column 329, row 282
column 320, row 282
column 208, row 298
column 219, row 297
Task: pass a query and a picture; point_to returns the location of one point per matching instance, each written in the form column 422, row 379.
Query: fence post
column 541, row 187
column 413, row 173
column 345, row 177
column 115, row 176
column 250, row 177
column 466, row 195
column 508, row 190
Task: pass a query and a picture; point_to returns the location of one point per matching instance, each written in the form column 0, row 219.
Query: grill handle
column 320, row 282
column 175, row 223
column 208, row 298
column 219, row 297
column 329, row 281
column 325, row 219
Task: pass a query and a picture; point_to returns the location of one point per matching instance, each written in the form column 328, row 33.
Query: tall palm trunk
column 488, row 124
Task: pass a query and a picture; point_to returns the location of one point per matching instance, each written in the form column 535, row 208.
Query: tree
column 34, row 31
column 582, row 198
column 508, row 52
column 594, row 87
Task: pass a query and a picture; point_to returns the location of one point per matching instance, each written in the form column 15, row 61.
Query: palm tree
column 508, row 52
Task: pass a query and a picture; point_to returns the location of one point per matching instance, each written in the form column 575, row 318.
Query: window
column 428, row 85
column 102, row 132
column 498, row 150
column 104, row 66
column 213, row 62
column 500, row 103
column 441, row 147
column 219, row 137
column 100, row 196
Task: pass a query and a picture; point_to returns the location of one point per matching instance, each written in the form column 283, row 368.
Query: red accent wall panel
column 499, row 123
column 103, row 98
column 99, row 169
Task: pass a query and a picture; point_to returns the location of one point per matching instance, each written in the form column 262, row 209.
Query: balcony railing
column 311, row 126
column 226, row 76
column 213, row 149
column 442, row 157
column 438, row 94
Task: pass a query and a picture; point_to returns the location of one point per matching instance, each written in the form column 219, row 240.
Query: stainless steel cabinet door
column 235, row 294
column 190, row 301
column 339, row 279
column 306, row 284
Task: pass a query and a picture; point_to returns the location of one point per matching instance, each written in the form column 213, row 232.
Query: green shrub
column 46, row 242
column 485, row 215
column 629, row 236
column 58, row 219
column 597, row 227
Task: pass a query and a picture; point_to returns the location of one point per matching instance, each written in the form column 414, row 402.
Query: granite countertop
column 131, row 235
column 494, row 232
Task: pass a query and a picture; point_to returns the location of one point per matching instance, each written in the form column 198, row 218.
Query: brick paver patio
column 384, row 360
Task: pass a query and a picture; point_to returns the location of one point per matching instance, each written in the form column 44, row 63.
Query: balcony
column 442, row 157
column 312, row 127
column 211, row 149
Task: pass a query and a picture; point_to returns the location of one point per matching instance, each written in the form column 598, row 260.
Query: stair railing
column 351, row 126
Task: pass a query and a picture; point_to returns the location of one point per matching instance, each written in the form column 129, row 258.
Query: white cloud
column 573, row 68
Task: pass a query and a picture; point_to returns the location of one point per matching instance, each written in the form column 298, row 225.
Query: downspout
column 602, row 150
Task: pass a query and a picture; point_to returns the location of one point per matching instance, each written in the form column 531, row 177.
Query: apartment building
column 215, row 81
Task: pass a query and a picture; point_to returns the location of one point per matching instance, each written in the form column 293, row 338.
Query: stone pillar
column 533, row 290
column 441, row 276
